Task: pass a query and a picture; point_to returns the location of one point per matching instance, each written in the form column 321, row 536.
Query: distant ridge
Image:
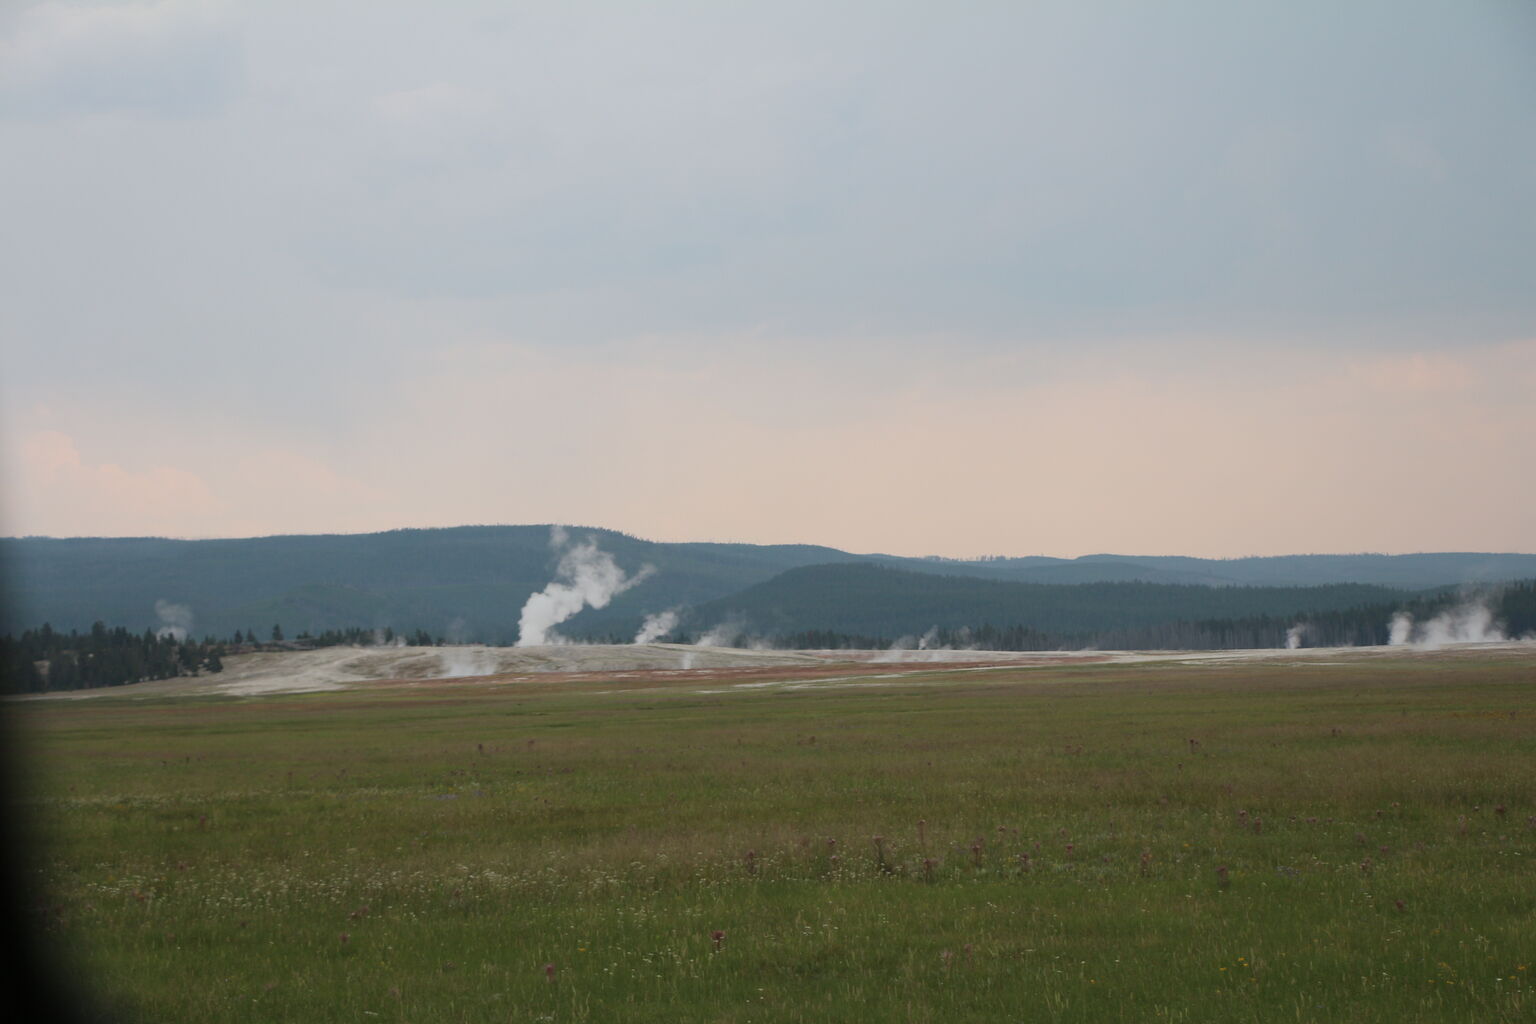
column 871, row 600
column 470, row 582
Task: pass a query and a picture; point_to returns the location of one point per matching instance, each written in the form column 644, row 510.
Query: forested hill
column 878, row 601
column 864, row 605
column 465, row 583
column 1411, row 572
column 469, row 583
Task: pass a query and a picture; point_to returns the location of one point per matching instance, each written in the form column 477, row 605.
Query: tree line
column 1512, row 607
column 44, row 660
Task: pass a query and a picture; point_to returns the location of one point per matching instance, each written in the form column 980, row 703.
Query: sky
column 958, row 279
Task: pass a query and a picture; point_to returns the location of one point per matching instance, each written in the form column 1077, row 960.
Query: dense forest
column 469, row 583
column 1511, row 608
column 864, row 599
column 44, row 660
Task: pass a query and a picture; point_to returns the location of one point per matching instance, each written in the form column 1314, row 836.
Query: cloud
column 171, row 58
column 784, row 268
column 1415, row 373
column 54, row 489
column 432, row 104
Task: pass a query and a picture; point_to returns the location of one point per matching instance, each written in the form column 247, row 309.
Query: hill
column 463, row 583
column 470, row 583
column 883, row 602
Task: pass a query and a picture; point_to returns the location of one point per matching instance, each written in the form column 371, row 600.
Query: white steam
column 383, row 639
column 906, row 648
column 457, row 662
column 1293, row 636
column 175, row 620
column 585, row 576
column 656, row 626
column 1470, row 623
column 724, row 635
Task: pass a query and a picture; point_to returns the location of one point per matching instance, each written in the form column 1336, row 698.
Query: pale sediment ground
column 337, row 668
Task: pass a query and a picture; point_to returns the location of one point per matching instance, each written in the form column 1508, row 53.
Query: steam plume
column 175, row 620
column 1469, row 623
column 457, row 662
column 1293, row 636
column 905, row 648
column 585, row 576
column 723, row 635
column 657, row 626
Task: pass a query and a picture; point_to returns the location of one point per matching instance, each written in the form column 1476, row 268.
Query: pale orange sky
column 1196, row 452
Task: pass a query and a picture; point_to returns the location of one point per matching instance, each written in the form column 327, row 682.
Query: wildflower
column 549, row 971
column 1024, row 862
column 1221, row 878
column 922, row 825
column 928, row 865
column 718, row 938
column 345, row 938
column 751, row 860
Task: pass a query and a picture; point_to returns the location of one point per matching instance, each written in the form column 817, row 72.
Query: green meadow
column 1266, row 841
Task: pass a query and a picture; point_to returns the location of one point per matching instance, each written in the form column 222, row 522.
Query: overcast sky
column 969, row 278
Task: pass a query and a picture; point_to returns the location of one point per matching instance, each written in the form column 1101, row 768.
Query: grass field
column 1228, row 842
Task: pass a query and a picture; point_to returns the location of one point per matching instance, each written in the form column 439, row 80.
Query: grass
column 1263, row 842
